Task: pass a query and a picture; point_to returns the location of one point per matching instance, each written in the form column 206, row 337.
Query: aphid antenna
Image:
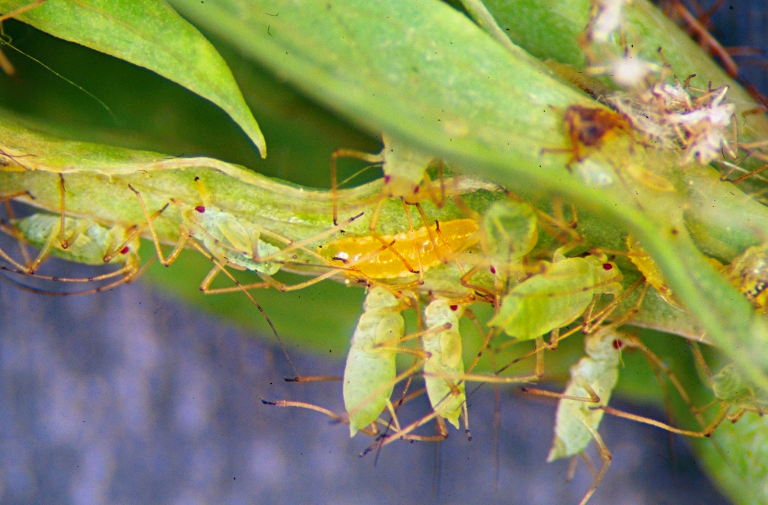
column 302, row 244
column 374, row 159
column 335, row 418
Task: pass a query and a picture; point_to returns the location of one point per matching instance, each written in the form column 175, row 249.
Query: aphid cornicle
column 444, row 361
column 557, row 296
column 369, row 375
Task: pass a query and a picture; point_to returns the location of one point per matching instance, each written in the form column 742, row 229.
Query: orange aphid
column 416, row 247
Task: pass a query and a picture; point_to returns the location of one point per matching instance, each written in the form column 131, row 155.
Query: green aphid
column 88, row 242
column 226, row 238
column 576, row 422
column 732, row 389
column 557, row 296
column 444, row 361
column 369, row 375
column 510, row 234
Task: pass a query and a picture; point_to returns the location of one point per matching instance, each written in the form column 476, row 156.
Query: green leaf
column 150, row 34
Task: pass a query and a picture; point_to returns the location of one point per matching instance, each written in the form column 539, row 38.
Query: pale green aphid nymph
column 444, row 361
column 88, row 242
column 557, row 296
column 369, row 375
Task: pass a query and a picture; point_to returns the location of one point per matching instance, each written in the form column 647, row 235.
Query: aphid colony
column 494, row 257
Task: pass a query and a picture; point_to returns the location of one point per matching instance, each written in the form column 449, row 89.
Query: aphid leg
column 128, row 272
column 592, row 398
column 292, row 245
column 63, row 192
column 251, row 298
column 406, row 433
column 705, row 433
column 133, row 233
column 347, row 153
column 563, row 231
column 416, row 247
column 749, row 174
column 184, row 235
column 707, row 41
column 593, row 321
column 605, row 455
column 486, row 294
column 439, row 201
column 372, row 230
column 12, row 231
column 334, row 417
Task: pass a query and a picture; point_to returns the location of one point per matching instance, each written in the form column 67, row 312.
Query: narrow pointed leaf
column 148, row 33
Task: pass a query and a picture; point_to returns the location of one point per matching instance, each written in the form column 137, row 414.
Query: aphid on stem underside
column 75, row 239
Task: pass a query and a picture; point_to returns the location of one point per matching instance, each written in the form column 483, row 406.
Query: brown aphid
column 589, row 127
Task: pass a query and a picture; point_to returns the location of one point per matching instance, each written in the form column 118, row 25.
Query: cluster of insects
column 530, row 267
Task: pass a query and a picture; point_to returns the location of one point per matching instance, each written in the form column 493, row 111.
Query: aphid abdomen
column 369, row 375
column 598, row 370
column 416, row 248
column 225, row 237
column 91, row 241
column 444, row 364
column 556, row 297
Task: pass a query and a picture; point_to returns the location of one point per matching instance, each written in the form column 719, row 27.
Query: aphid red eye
column 386, row 179
column 415, row 190
column 618, row 344
column 124, row 250
column 607, row 266
column 200, row 209
column 493, row 269
column 454, row 307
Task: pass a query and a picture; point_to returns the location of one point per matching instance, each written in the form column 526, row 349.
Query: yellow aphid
column 650, row 271
column 423, row 248
column 749, row 273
